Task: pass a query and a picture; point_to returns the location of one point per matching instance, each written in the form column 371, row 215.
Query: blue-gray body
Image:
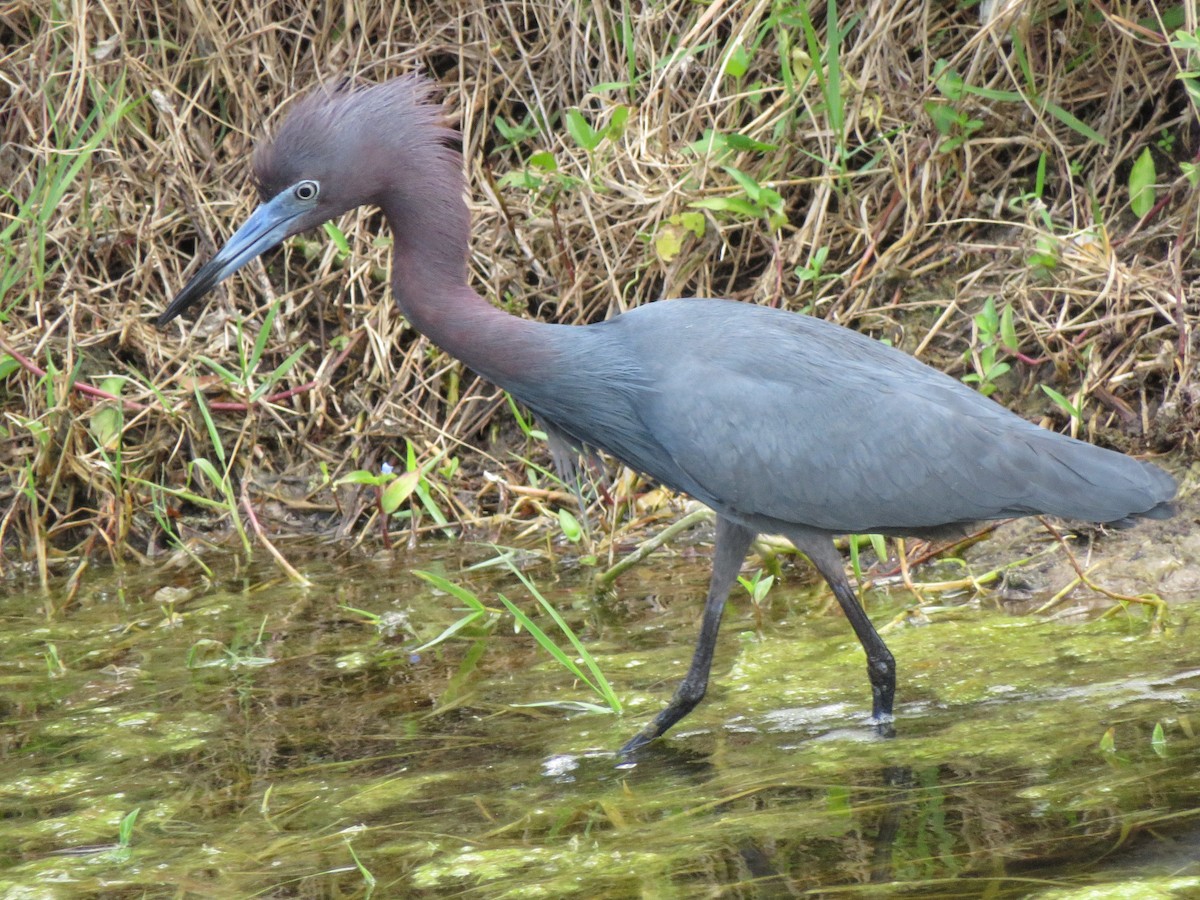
column 774, row 418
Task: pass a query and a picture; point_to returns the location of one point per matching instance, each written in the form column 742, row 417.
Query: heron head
column 340, row 146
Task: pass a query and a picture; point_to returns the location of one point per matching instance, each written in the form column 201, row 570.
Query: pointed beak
column 267, row 226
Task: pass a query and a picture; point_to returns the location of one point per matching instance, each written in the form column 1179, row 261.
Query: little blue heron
column 780, row 422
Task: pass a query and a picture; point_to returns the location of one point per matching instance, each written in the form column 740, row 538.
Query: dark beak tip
column 168, row 315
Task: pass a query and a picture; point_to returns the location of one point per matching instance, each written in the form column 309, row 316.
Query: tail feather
column 1092, row 484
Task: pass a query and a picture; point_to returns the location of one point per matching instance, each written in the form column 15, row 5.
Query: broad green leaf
column 1158, row 741
column 616, row 124
column 693, row 222
column 544, row 161
column 943, row 115
column 737, row 62
column 668, row 241
column 581, row 131
column 399, row 490
column 1141, row 184
column 948, row 82
column 106, row 422
column 715, row 142
column 1008, row 331
column 749, row 185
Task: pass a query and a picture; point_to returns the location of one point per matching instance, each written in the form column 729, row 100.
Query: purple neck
column 429, row 282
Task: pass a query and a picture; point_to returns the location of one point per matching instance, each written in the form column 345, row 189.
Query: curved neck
column 429, row 282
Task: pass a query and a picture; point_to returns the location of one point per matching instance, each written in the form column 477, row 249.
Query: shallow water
column 269, row 735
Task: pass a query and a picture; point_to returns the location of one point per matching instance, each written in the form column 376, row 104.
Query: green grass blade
column 449, row 587
column 211, row 426
column 601, row 685
column 547, row 643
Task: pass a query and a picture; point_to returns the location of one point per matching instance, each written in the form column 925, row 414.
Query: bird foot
column 637, row 742
column 883, row 725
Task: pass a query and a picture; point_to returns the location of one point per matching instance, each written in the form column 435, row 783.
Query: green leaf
column 1008, row 331
column 992, row 94
column 737, row 62
column 744, row 143
column 1108, row 743
column 616, row 124
column 507, row 131
column 544, row 161
column 570, row 526
column 728, row 204
column 879, row 545
column 607, row 87
column 711, row 143
column 1191, row 171
column 693, row 222
column 995, row 369
column 581, row 131
column 209, row 470
column 338, row 238
column 209, row 425
column 944, row 116
column 449, row 587
column 226, row 374
column 360, row 476
column 1186, row 40
column 1158, row 741
column 451, row 630
column 399, row 490
column 1075, row 124
column 769, row 198
column 1142, row 178
column 107, row 421
column 598, row 683
column 668, row 241
column 1070, row 408
column 282, row 369
column 523, row 179
column 987, row 319
column 125, row 829
column 749, row 185
column 948, row 82
column 716, row 143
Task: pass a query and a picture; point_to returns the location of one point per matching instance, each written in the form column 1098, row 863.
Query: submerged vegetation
column 250, row 737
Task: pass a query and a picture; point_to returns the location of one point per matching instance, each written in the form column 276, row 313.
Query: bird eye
column 307, row 190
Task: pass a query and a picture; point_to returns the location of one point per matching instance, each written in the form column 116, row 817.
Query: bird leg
column 881, row 665
column 732, row 544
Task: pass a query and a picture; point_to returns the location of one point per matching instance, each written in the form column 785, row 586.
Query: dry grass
column 913, row 228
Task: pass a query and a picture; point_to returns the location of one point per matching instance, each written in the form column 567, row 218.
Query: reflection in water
column 901, row 778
